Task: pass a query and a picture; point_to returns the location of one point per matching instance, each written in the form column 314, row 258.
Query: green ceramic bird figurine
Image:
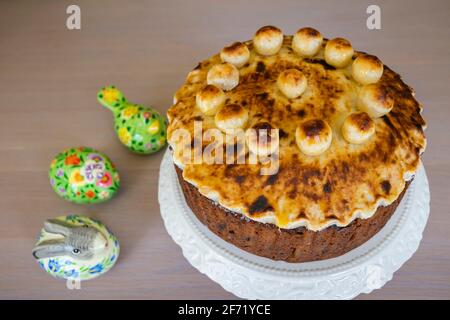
column 140, row 129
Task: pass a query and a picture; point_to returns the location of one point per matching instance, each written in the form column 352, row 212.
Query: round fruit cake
column 324, row 142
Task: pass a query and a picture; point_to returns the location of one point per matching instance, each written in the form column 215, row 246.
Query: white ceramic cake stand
column 361, row 270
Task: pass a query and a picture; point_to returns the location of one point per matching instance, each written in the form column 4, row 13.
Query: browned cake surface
column 345, row 182
column 292, row 245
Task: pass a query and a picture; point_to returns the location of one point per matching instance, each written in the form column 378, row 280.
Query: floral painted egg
column 140, row 129
column 83, row 175
column 76, row 248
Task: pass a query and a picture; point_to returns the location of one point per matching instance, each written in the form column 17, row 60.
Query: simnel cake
column 349, row 135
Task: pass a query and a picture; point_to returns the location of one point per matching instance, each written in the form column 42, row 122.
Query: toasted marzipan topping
column 209, row 99
column 261, row 140
column 338, row 52
column 224, row 76
column 307, row 42
column 333, row 188
column 376, row 100
column 367, row 69
column 358, row 127
column 292, row 83
column 268, row 40
column 231, row 116
column 313, row 137
column 193, row 77
column 237, row 54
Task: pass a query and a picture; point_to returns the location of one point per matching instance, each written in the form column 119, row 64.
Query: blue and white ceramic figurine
column 76, row 248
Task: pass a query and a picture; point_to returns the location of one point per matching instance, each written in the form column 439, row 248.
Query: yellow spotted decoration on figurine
column 140, row 129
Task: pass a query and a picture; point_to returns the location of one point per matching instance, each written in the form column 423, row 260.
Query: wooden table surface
column 49, row 77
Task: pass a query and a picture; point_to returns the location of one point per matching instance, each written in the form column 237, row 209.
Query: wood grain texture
column 48, row 81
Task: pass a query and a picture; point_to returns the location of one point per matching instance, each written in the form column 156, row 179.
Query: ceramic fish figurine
column 83, row 175
column 76, row 248
column 140, row 129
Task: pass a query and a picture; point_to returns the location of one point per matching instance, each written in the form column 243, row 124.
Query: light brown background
column 49, row 77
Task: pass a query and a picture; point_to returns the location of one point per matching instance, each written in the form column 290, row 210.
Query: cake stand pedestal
column 361, row 270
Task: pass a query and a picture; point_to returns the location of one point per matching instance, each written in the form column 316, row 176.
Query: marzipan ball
column 237, row 54
column 313, row 137
column 292, row 83
column 230, row 117
column 268, row 40
column 358, row 127
column 376, row 100
column 338, row 52
column 307, row 42
column 224, row 76
column 210, row 99
column 367, row 69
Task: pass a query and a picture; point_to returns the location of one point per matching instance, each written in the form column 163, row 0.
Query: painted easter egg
column 83, row 175
column 141, row 129
column 76, row 248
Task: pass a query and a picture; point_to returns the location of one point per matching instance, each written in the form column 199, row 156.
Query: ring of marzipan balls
column 268, row 40
column 237, row 54
column 209, row 99
column 375, row 100
column 292, row 83
column 338, row 52
column 224, row 76
column 313, row 137
column 231, row 117
column 367, row 69
column 358, row 127
column 307, row 42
